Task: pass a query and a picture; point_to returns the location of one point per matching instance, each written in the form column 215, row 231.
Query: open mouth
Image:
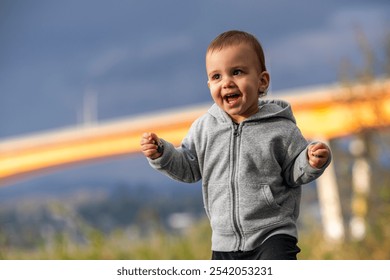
column 231, row 98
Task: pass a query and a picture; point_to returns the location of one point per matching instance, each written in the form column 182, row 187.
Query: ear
column 208, row 83
column 263, row 81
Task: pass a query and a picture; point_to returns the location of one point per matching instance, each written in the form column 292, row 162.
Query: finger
column 151, row 153
column 145, row 141
column 318, row 154
column 144, row 138
column 318, row 150
column 148, row 137
column 312, row 151
column 322, row 152
column 319, row 146
column 149, row 150
column 317, row 162
column 154, row 137
column 149, row 146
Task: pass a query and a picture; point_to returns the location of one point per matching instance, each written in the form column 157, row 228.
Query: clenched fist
column 318, row 154
column 150, row 145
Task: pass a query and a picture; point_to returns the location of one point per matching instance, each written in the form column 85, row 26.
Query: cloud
column 104, row 62
column 317, row 52
column 129, row 54
column 167, row 46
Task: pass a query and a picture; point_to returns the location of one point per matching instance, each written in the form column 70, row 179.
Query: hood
column 268, row 108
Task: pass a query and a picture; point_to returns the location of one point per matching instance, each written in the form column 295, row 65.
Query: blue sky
column 141, row 56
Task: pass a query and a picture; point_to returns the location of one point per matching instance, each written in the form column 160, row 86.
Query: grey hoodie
column 251, row 172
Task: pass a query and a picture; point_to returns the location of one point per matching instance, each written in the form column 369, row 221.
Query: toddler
column 249, row 153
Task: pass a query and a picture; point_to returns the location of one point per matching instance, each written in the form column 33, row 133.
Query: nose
column 228, row 82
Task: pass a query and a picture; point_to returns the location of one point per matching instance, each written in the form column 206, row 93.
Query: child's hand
column 149, row 145
column 318, row 154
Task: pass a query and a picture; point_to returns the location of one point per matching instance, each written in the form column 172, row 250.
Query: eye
column 216, row 76
column 237, row 72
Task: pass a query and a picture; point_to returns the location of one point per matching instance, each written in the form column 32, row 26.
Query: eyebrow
column 239, row 66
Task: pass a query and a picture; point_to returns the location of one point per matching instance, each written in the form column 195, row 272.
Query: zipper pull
column 236, row 133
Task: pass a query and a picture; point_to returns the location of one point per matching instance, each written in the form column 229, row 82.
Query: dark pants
column 277, row 247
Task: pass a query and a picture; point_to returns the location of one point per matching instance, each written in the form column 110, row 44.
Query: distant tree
column 372, row 203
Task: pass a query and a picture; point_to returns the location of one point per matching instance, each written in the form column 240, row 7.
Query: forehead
column 235, row 54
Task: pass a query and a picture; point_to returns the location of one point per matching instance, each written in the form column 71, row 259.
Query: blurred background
column 72, row 63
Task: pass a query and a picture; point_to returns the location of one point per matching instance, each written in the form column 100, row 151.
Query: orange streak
column 326, row 113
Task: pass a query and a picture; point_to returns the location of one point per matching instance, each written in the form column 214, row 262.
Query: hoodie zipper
column 236, row 140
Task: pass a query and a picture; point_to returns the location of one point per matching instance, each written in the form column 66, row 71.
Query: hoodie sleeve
column 303, row 172
column 179, row 163
column 298, row 170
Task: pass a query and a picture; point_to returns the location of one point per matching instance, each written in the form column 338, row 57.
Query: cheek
column 215, row 93
column 252, row 88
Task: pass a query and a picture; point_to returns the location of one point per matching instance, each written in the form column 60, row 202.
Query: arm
column 310, row 163
column 304, row 162
column 178, row 163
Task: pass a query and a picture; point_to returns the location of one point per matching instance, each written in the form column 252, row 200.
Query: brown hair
column 235, row 37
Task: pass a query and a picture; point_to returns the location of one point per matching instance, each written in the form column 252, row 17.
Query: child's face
column 235, row 80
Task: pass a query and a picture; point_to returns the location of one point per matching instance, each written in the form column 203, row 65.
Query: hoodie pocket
column 218, row 206
column 258, row 207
